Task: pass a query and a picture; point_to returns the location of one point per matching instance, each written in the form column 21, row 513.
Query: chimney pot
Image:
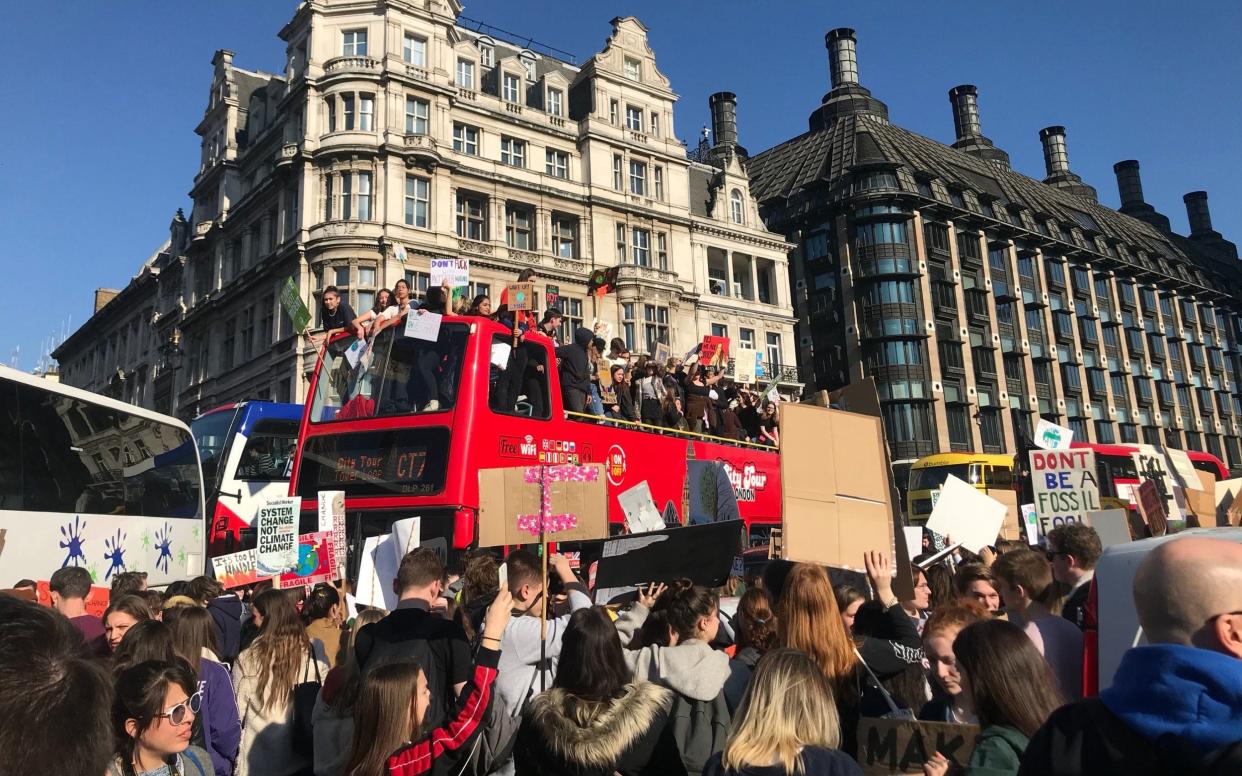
column 1129, row 184
column 724, row 118
column 1056, row 155
column 965, row 111
column 1197, row 213
column 842, row 56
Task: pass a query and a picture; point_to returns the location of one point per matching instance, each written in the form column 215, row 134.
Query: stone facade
column 396, row 135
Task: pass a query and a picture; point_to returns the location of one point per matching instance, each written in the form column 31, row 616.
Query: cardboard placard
column 1112, row 526
column 838, row 501
column 1050, row 436
column 662, row 353
column 1228, row 503
column 277, row 550
column 744, row 365
column 316, row 562
column 973, row 519
column 354, row 353
column 641, row 513
column 1179, row 462
column 294, row 307
column 423, row 325
column 712, row 497
column 1011, row 529
column 1153, row 508
column 455, row 271
column 506, row 496
column 332, row 518
column 376, row 571
column 900, row 746
column 1202, row 500
column 606, row 393
column 521, row 296
column 1064, row 486
column 1153, row 465
column 703, row 553
column 714, row 351
column 859, row 396
column 1030, row 523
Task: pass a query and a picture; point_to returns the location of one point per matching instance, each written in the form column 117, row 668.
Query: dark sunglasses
column 176, row 715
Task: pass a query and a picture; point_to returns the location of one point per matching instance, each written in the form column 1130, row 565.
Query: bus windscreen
column 409, row 461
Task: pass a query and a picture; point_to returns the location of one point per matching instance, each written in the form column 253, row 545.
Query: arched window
column 735, row 207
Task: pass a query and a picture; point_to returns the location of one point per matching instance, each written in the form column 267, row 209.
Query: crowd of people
column 597, row 377
column 464, row 677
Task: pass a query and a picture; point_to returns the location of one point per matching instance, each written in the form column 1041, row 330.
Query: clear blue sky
column 97, row 149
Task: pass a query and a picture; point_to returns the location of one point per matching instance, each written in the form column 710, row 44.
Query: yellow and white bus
column 927, row 475
column 93, row 482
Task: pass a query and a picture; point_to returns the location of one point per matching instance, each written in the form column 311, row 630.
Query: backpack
column 500, row 728
column 700, row 729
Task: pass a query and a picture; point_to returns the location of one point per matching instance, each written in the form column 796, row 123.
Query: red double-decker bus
column 404, row 430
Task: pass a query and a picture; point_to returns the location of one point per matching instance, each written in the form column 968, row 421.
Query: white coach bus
column 93, row 482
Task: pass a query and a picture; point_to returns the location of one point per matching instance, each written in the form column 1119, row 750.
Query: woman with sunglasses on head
column 152, row 718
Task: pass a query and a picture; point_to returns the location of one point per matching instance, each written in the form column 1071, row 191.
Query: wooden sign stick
column 544, row 516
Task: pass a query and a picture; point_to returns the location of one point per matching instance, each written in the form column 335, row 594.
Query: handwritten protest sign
column 551, row 296
column 1050, row 436
column 277, row 551
column 900, row 746
column 714, row 351
column 332, row 518
column 1153, row 466
column 423, row 325
column 663, row 352
column 1064, row 485
column 1030, row 523
column 521, row 296
column 970, row 517
column 294, row 307
column 1153, row 508
column 1187, row 474
column 456, row 272
column 354, row 353
column 317, row 561
column 513, row 506
column 1228, row 503
column 744, row 365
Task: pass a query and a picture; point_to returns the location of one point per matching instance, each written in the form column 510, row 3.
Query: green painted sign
column 295, row 308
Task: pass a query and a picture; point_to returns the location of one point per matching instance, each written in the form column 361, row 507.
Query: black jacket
column 816, row 761
column 1075, row 608
column 891, row 642
column 562, row 735
column 1088, row 739
column 575, row 368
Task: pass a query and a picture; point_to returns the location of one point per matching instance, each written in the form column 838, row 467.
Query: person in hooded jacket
column 575, row 370
column 596, row 720
column 225, row 609
column 677, row 654
column 1175, row 704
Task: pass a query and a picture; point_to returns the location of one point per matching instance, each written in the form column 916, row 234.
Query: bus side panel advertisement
column 167, row 549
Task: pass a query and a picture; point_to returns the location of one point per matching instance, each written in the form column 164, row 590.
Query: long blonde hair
column 808, row 619
column 788, row 705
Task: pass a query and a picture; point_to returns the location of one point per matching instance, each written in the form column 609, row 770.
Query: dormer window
column 465, row 74
column 735, row 207
column 633, row 69
column 511, row 87
column 528, row 64
column 487, row 52
column 555, row 102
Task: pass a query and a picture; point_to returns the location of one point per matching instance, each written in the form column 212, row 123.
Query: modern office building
column 399, row 133
column 980, row 299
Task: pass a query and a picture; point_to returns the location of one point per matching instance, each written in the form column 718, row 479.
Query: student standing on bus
column 575, row 371
column 69, row 587
column 335, row 313
column 525, row 318
column 383, row 300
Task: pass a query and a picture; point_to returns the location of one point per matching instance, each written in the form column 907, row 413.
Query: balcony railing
column 782, row 373
column 351, row 64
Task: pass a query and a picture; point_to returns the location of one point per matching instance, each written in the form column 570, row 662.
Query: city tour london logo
column 746, row 481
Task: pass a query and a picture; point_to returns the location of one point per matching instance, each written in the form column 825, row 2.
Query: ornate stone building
column 397, row 134
column 980, row 299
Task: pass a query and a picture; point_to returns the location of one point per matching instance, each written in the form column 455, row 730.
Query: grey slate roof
column 823, row 159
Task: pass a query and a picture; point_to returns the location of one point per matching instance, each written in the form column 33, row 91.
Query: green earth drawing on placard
column 308, row 559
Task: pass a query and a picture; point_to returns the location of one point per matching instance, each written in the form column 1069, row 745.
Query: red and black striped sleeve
column 465, row 721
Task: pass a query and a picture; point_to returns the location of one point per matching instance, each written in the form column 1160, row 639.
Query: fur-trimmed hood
column 595, row 735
